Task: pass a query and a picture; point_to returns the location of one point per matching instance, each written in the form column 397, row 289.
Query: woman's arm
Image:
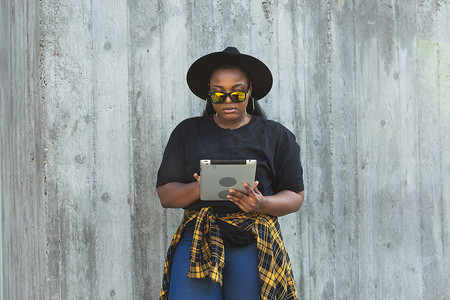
column 280, row 204
column 179, row 195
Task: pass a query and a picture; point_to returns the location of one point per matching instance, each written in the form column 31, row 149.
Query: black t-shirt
column 270, row 143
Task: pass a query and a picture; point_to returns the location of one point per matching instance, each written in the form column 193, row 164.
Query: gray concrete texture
column 90, row 91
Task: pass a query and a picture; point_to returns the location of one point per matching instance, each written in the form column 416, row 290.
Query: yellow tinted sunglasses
column 219, row 97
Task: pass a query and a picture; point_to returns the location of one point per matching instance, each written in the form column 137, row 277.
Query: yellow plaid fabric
column 207, row 257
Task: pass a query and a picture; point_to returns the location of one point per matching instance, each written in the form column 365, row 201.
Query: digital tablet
column 218, row 176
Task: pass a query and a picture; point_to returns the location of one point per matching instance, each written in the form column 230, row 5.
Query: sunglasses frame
column 229, row 95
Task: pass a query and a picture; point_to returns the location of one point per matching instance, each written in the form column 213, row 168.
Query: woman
column 230, row 249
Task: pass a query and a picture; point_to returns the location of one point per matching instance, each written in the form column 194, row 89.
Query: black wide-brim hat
column 200, row 71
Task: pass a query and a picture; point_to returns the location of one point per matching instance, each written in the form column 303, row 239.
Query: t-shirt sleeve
column 172, row 168
column 289, row 171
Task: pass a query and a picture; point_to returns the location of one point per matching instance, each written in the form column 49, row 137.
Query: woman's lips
column 229, row 110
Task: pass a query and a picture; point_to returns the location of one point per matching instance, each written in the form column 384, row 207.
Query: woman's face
column 230, row 80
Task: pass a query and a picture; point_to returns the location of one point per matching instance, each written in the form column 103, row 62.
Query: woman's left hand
column 254, row 201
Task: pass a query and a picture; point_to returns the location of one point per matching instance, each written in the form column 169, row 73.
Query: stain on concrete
column 81, row 159
column 106, row 197
column 107, row 46
column 435, row 63
column 340, row 3
column 265, row 5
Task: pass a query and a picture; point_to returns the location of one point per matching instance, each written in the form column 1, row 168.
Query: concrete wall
column 90, row 91
column 23, row 238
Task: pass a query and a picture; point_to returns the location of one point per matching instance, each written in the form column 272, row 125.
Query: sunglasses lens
column 217, row 97
column 238, row 96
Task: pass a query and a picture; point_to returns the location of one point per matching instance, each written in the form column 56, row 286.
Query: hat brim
column 199, row 72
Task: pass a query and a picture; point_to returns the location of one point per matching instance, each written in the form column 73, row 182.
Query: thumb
column 197, row 177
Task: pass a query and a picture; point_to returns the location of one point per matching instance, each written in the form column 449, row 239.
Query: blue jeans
column 240, row 275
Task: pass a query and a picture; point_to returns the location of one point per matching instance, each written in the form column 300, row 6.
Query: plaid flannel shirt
column 207, row 257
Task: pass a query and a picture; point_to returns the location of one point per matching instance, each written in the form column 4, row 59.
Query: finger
column 241, row 204
column 248, row 188
column 197, row 177
column 246, row 202
column 238, row 198
column 237, row 194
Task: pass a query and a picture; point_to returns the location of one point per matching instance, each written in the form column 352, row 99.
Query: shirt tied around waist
column 207, row 257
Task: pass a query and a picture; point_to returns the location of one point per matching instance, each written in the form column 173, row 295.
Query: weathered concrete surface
column 23, row 250
column 364, row 85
